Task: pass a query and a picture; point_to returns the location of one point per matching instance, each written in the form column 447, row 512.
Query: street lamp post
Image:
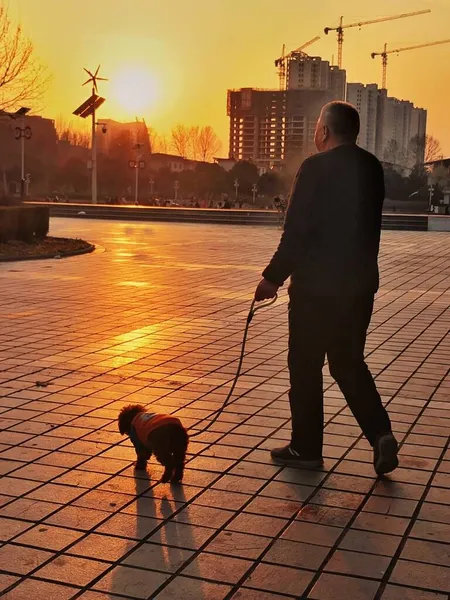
column 89, row 108
column 254, row 191
column 430, row 197
column 27, row 184
column 176, row 187
column 136, row 165
column 21, row 133
column 236, row 187
column 151, row 184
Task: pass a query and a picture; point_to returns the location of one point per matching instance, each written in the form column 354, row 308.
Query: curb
column 79, row 252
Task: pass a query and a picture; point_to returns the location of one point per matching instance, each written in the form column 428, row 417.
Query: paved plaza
column 156, row 316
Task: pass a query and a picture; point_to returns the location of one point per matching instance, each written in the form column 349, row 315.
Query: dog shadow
column 163, row 548
column 153, row 501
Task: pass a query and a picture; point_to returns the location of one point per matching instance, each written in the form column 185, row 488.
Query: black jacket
column 332, row 231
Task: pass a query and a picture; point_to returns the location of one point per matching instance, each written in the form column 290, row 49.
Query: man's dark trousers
column 333, row 326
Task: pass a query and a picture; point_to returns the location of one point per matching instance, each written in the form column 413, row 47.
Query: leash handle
column 260, row 305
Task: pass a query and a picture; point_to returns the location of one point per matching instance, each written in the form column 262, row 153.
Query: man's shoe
column 288, row 456
column 385, row 452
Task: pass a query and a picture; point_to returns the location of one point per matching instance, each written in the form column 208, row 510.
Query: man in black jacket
column 329, row 248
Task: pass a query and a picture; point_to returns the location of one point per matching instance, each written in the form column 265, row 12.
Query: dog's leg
column 141, row 461
column 167, row 462
column 179, row 447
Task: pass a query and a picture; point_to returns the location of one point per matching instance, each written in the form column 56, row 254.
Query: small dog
column 161, row 435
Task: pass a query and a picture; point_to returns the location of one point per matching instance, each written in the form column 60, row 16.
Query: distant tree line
column 413, row 185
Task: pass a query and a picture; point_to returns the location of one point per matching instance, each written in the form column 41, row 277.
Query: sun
column 134, row 89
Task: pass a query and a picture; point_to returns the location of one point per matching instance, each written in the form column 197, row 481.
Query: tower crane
column 281, row 62
column 385, row 52
column 340, row 28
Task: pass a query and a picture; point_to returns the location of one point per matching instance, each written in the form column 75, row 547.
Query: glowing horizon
column 183, row 60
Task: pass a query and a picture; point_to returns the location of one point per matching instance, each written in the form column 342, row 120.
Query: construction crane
column 340, row 28
column 384, row 56
column 281, row 62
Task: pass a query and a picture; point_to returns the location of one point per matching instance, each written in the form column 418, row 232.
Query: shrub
column 9, row 223
column 42, row 221
column 24, row 223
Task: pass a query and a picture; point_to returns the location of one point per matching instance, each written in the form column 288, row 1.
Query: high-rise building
column 392, row 129
column 365, row 99
column 271, row 126
column 305, row 72
column 399, row 125
column 302, row 111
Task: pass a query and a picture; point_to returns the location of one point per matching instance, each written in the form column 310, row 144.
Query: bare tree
column 23, row 79
column 181, row 138
column 158, row 142
column 425, row 149
column 391, row 152
column 194, row 146
column 417, row 150
column 206, row 143
column 433, row 149
column 163, row 144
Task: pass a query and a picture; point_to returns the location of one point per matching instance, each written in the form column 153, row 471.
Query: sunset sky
column 186, row 54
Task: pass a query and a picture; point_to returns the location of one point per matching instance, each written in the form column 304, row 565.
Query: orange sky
column 194, row 50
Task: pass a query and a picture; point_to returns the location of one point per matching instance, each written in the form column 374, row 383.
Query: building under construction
column 270, row 127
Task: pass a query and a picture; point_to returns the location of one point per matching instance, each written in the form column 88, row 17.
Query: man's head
column 338, row 124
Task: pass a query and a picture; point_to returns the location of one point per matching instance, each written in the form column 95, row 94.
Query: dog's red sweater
column 144, row 423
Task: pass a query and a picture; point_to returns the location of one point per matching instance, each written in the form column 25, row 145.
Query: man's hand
column 266, row 290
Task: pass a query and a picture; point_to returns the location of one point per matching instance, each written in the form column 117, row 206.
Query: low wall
column 439, row 223
column 407, row 222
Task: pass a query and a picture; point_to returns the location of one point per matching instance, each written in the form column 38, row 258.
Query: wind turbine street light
column 87, row 109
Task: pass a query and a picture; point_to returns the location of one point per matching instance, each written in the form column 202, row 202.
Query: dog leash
column 253, row 310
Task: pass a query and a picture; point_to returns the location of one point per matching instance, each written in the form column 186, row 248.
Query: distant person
column 330, row 249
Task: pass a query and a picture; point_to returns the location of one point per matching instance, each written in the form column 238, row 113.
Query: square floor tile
column 357, row 563
column 181, row 535
column 77, row 517
column 427, row 552
column 6, row 581
column 248, row 594
column 102, row 547
column 296, row 554
column 339, row 587
column 370, row 543
column 158, row 558
column 193, row 589
column 432, row 577
column 396, row 592
column 243, row 545
column 217, row 568
column 10, row 528
column 312, row 533
column 283, row 580
column 72, row 569
column 32, row 589
column 48, row 538
column 129, row 526
column 21, row 560
column 257, row 524
column 130, row 582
